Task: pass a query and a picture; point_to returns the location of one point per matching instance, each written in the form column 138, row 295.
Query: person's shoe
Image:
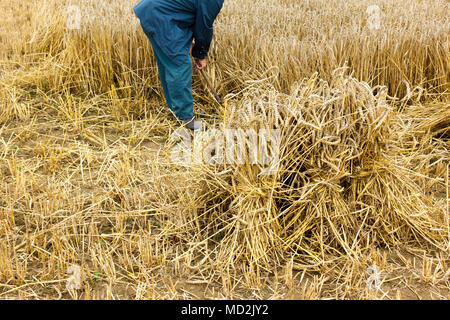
column 192, row 124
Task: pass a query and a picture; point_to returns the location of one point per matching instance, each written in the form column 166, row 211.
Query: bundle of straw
column 342, row 185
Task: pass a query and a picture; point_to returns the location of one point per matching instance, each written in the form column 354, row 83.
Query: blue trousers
column 176, row 81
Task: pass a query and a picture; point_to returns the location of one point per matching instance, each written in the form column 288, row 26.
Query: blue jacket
column 173, row 24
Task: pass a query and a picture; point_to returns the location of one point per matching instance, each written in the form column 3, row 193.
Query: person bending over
column 171, row 25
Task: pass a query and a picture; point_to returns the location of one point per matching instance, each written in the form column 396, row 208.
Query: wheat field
column 92, row 206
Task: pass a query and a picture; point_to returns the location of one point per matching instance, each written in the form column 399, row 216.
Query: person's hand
column 200, row 63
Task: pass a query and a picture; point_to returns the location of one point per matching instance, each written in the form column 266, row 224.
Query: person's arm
column 207, row 11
